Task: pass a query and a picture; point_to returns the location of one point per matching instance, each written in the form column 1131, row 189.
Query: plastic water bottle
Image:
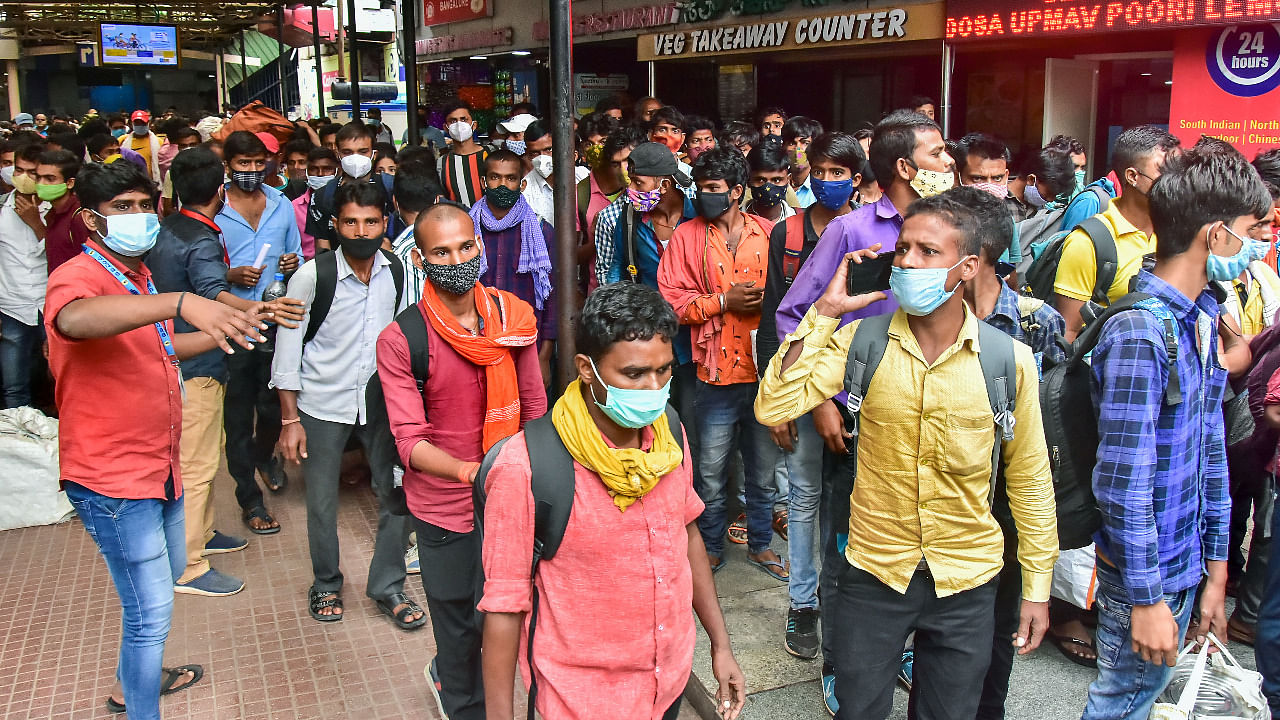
column 277, row 289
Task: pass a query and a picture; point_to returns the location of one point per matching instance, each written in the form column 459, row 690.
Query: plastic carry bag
column 1211, row 687
column 1075, row 577
column 29, row 493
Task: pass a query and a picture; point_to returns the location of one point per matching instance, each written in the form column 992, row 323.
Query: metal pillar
column 221, row 77
column 948, row 67
column 354, row 47
column 653, row 79
column 244, row 65
column 409, row 56
column 280, row 56
column 341, row 28
column 566, row 196
column 15, row 90
column 315, row 48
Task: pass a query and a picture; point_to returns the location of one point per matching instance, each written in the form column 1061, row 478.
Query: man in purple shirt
column 910, row 159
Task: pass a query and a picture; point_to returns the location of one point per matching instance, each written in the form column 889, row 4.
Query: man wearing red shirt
column 614, row 620
column 65, row 231
column 115, row 357
column 484, row 381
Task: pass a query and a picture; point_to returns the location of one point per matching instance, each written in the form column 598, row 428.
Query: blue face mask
column 1032, row 196
column 1224, row 269
column 516, row 146
column 833, row 194
column 919, row 291
column 1260, row 249
column 1079, row 181
column 118, row 133
column 131, row 235
column 631, row 408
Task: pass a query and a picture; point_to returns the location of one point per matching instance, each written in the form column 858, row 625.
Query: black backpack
column 627, row 225
column 1043, row 272
column 327, row 284
column 414, row 327
column 552, row 483
column 999, row 373
column 1071, row 420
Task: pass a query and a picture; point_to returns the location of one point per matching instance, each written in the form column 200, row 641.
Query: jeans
column 833, row 523
column 250, row 448
column 1266, row 645
column 725, row 418
column 144, row 545
column 320, row 469
column 804, row 470
column 452, row 578
column 1127, row 686
column 952, row 645
column 18, row 345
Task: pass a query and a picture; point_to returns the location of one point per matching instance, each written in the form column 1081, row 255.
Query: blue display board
column 124, row 44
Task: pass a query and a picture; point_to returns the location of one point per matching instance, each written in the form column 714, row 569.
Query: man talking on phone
column 939, row 402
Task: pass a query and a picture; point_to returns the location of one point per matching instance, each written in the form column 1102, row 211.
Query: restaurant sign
column 995, row 19
column 496, row 37
column 896, row 24
column 599, row 23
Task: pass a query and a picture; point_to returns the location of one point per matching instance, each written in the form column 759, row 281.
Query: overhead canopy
column 202, row 24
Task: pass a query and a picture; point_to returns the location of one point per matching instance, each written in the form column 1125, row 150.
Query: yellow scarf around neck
column 628, row 473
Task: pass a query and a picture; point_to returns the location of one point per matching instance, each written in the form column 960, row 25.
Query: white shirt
column 24, row 271
column 331, row 374
column 403, row 248
column 540, row 196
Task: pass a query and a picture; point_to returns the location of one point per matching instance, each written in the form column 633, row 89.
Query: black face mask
column 712, row 205
column 361, row 248
column 503, row 197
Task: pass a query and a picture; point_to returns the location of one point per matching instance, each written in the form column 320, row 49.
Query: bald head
column 446, row 235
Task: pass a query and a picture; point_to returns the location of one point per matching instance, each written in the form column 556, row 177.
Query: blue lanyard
column 165, row 340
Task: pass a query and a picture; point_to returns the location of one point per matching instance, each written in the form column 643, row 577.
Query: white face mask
column 6, row 174
column 356, row 165
column 315, row 182
column 460, row 131
column 543, row 165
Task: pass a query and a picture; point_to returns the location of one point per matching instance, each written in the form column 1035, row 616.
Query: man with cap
column 24, row 121
column 515, row 128
column 144, row 142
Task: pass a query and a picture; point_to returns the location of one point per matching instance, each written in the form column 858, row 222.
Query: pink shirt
column 596, row 201
column 615, row 623
column 301, row 204
column 455, row 394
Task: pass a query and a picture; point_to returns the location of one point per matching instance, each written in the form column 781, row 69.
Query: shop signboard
column 857, row 27
column 590, row 89
column 439, row 12
column 641, row 17
column 497, row 37
column 1000, row 19
column 1226, row 84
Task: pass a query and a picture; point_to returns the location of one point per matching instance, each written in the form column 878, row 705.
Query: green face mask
column 51, row 193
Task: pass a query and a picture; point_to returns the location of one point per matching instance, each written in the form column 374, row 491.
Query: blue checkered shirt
column 1043, row 326
column 1161, row 474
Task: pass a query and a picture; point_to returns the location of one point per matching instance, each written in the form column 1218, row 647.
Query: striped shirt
column 463, row 177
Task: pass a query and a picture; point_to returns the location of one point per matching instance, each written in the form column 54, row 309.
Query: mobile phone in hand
column 870, row 275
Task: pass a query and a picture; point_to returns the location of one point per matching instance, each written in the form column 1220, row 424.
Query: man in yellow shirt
column 923, row 549
column 144, row 142
column 1137, row 159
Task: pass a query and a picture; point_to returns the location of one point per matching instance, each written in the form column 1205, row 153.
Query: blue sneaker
column 904, row 670
column 222, row 543
column 210, row 584
column 829, row 690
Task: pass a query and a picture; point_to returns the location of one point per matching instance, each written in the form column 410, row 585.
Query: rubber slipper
column 1065, row 643
column 766, row 566
column 169, row 686
column 260, row 513
column 718, row 565
column 389, row 604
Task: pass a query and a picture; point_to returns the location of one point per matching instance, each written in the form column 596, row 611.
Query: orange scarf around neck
column 508, row 323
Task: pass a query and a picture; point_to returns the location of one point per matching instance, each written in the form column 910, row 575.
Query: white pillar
column 15, row 95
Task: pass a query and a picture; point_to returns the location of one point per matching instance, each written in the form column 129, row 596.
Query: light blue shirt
column 804, row 194
column 330, row 374
column 278, row 226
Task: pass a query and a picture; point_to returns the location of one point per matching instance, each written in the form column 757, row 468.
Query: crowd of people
column 766, row 311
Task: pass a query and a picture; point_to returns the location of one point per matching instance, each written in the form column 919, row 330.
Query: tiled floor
column 264, row 657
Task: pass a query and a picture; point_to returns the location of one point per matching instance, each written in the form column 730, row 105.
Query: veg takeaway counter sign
column 1001, row 19
column 859, row 27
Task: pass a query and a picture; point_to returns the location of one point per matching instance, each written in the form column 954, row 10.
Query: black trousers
column 1008, row 611
column 250, row 445
column 451, row 576
column 953, row 645
column 672, row 712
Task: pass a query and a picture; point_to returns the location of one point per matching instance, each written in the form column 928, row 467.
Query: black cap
column 657, row 160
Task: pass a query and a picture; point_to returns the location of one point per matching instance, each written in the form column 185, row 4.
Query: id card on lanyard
column 165, row 340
